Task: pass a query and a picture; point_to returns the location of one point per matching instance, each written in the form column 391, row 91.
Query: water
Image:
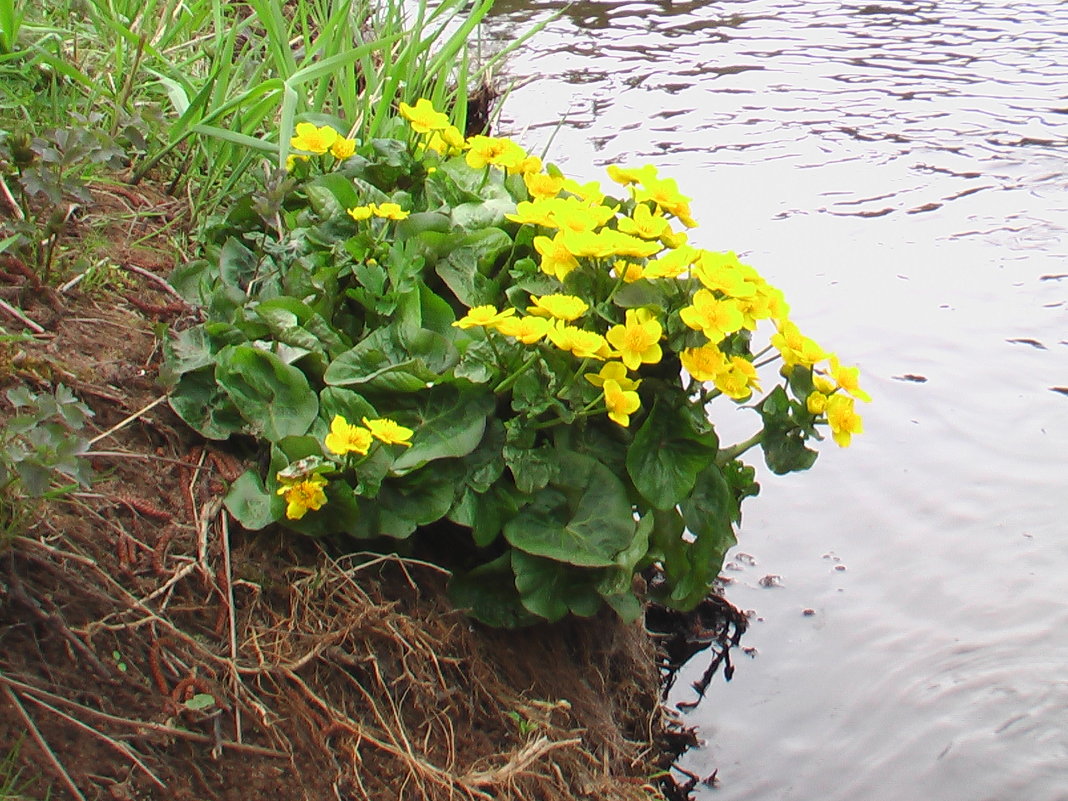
column 900, row 169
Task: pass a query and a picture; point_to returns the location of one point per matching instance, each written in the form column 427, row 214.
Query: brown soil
column 124, row 606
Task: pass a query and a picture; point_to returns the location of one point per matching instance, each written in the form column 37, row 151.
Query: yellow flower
column 445, row 142
column 768, row 303
column 485, row 150
column 665, row 194
column 816, row 403
column 347, row 438
column 590, row 192
column 621, row 403
column 389, row 431
column 614, row 371
column 312, row 139
column 625, row 176
column 359, row 213
column 638, row 340
column 621, row 244
column 292, row 159
column 737, row 379
column 527, row 166
column 343, row 148
column 556, row 257
column 302, row 495
column 571, row 214
column 388, row 211
column 423, row 117
column 824, row 384
column 843, row 419
column 674, row 239
column 673, row 263
column 796, row 348
column 848, row 378
column 716, row 318
column 583, row 344
column 527, row 330
column 722, row 272
column 704, row 362
column 562, row 307
column 541, row 186
column 536, row 212
column 587, row 244
column 483, row 317
column 645, row 223
column 630, row 271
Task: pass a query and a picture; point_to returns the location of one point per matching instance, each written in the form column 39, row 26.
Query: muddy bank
column 152, row 649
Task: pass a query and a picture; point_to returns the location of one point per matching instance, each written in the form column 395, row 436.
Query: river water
column 900, row 169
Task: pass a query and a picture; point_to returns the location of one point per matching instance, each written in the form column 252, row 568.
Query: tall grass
column 210, row 88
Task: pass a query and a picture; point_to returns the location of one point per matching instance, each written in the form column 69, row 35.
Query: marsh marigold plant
column 432, row 335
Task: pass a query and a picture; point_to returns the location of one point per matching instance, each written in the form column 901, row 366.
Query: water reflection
column 900, row 169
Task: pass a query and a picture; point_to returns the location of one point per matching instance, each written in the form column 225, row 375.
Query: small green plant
column 46, row 171
column 41, row 451
column 439, row 334
column 11, row 18
column 12, row 781
column 523, row 724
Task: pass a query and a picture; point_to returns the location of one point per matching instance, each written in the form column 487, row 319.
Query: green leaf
column 331, row 194
column 237, row 264
column 378, row 364
column 200, row 701
column 188, row 350
column 201, row 402
column 274, row 398
column 707, row 514
column 465, row 268
column 449, row 423
column 251, row 504
column 784, row 439
column 350, row 405
column 417, row 499
column 626, row 605
column 619, row 578
column 532, row 468
column 550, row 589
column 585, row 520
column 474, row 216
column 488, row 594
column 667, row 454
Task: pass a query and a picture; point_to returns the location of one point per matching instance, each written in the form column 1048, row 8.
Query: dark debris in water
column 918, row 379
column 716, row 625
column 1034, row 343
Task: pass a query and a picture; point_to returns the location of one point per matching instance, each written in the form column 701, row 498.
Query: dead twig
column 42, row 743
column 18, row 593
column 519, row 762
column 235, row 676
column 22, row 318
column 161, row 282
column 126, row 421
column 142, row 725
column 122, row 748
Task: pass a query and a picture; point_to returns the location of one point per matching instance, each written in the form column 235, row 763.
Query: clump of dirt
column 149, row 648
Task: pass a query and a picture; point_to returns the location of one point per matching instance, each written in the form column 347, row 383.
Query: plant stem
column 726, row 455
column 507, row 383
column 768, row 360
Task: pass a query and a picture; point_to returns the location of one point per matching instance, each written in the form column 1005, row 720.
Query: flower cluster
column 713, row 295
column 304, row 487
column 318, row 141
